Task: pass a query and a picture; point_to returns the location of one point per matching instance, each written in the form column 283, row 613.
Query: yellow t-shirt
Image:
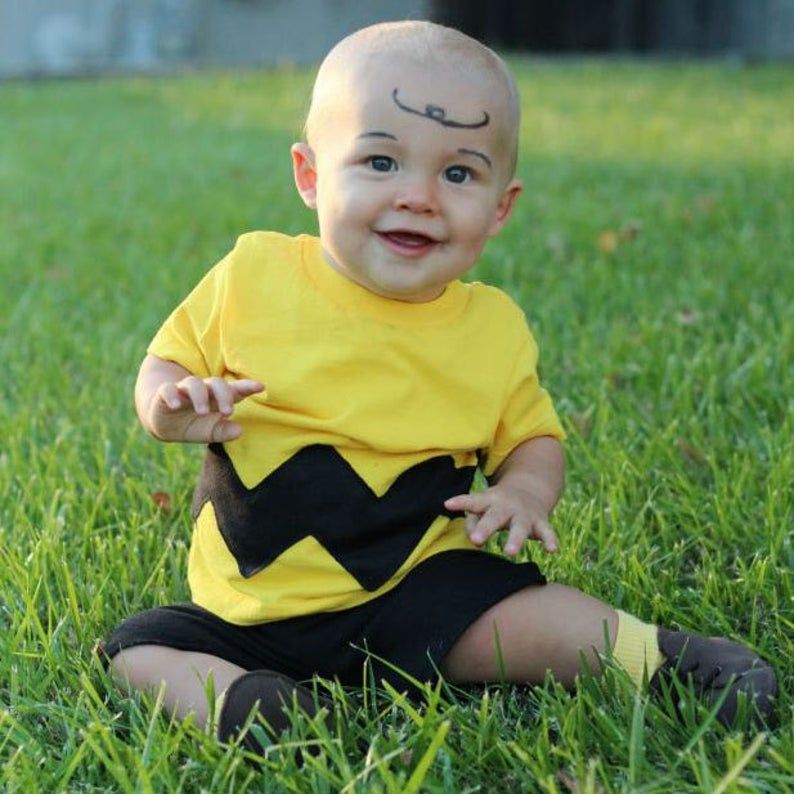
column 375, row 412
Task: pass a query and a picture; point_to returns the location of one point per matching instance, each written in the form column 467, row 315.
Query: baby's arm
column 174, row 405
column 523, row 492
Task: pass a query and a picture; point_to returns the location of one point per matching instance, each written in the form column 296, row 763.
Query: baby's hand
column 503, row 507
column 197, row 410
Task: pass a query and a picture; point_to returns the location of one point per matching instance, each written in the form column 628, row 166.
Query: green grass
column 670, row 358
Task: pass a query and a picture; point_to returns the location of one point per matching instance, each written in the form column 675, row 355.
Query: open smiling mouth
column 408, row 243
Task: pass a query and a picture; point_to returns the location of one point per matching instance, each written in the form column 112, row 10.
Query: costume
column 321, row 534
column 376, row 411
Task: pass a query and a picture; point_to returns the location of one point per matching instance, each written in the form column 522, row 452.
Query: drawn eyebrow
column 377, row 134
column 477, row 154
column 439, row 114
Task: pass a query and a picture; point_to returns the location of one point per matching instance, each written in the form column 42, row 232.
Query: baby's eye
column 381, row 162
column 457, row 174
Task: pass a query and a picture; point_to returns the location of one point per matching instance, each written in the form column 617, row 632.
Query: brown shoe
column 714, row 665
column 272, row 694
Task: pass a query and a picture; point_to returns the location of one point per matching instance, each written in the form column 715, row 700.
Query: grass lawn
column 653, row 251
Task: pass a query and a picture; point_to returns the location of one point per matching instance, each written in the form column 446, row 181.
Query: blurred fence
column 751, row 29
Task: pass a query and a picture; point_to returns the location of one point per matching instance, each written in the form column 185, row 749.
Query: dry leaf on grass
column 607, row 241
column 162, row 501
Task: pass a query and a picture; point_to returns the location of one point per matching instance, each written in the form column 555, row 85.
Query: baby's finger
column 516, row 538
column 222, row 393
column 198, row 393
column 245, row 387
column 468, row 503
column 545, row 534
column 224, row 431
column 170, row 396
column 491, row 521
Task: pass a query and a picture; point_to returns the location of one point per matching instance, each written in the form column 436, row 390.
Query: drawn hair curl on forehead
column 424, row 43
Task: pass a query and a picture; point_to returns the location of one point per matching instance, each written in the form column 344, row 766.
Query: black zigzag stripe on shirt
column 316, row 492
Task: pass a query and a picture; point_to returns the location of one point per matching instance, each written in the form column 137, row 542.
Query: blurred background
column 77, row 37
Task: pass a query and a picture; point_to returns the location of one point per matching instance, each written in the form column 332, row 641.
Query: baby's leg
column 183, row 674
column 551, row 627
column 143, row 654
column 538, row 629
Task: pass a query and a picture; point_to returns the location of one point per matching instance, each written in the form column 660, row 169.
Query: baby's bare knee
column 131, row 664
column 179, row 677
column 184, row 678
column 144, row 666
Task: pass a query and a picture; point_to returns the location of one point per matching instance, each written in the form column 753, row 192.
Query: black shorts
column 412, row 627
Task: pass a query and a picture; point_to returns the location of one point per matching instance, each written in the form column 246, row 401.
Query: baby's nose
column 418, row 196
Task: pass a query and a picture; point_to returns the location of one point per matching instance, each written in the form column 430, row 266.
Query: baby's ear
column 505, row 207
column 305, row 172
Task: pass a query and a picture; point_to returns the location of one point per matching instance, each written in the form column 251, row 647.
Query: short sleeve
column 191, row 335
column 527, row 412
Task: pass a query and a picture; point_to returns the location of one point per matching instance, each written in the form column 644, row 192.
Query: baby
column 333, row 513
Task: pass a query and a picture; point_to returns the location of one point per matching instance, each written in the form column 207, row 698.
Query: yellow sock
column 636, row 648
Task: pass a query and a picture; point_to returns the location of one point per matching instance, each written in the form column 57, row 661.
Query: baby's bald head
column 421, row 50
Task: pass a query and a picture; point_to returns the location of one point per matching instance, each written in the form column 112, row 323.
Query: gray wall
column 63, row 37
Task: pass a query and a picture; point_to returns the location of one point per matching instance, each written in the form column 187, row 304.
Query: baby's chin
column 403, row 293
column 404, row 282
column 412, row 297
